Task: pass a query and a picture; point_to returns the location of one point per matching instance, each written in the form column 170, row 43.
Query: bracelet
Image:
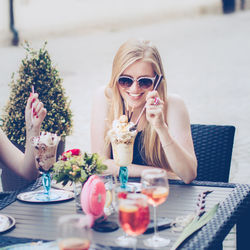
column 168, row 144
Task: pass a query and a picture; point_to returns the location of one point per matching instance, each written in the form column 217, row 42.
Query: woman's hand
column 155, row 110
column 34, row 113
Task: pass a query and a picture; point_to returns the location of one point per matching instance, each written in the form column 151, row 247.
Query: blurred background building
column 39, row 18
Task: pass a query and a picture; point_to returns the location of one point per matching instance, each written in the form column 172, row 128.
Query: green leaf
column 83, row 166
column 197, row 223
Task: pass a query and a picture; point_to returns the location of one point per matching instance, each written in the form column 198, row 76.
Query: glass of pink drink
column 134, row 215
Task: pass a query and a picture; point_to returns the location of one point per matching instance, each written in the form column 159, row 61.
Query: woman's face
column 135, row 96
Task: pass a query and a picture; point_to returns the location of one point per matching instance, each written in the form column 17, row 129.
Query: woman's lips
column 134, row 95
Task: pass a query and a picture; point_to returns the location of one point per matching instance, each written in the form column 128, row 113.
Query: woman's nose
column 135, row 86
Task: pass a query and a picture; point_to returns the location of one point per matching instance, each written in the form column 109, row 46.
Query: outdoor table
column 36, row 221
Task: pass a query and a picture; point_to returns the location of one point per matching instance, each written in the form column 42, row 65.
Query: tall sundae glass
column 122, row 139
column 45, row 148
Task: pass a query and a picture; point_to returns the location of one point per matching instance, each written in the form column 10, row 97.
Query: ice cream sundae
column 122, row 140
column 45, row 147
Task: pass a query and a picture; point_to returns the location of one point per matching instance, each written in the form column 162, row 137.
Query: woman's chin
column 136, row 102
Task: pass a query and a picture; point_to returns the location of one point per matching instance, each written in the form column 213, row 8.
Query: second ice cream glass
column 122, row 140
column 45, row 148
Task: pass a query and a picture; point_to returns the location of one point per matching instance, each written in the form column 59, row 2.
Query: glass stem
column 46, row 183
column 155, row 222
column 123, row 176
column 135, row 243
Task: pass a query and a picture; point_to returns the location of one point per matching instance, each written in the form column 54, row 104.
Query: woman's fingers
column 154, row 103
column 31, row 100
column 36, row 106
column 39, row 110
column 153, row 98
column 41, row 114
column 152, row 94
column 154, row 112
column 154, row 108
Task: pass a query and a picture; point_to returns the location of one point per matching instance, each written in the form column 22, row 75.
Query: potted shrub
column 35, row 70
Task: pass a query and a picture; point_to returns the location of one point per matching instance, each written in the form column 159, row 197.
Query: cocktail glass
column 74, row 232
column 45, row 148
column 134, row 215
column 119, row 193
column 155, row 186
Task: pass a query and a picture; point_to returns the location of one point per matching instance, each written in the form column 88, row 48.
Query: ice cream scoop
column 45, row 147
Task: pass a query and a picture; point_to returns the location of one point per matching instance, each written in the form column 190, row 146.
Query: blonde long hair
column 130, row 52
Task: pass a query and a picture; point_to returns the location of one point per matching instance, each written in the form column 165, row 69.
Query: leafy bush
column 37, row 70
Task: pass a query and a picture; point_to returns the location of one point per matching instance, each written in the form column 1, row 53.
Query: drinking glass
column 155, row 186
column 107, row 179
column 134, row 215
column 119, row 193
column 74, row 232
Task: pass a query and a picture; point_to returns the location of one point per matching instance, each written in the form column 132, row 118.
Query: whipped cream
column 47, row 138
column 120, row 131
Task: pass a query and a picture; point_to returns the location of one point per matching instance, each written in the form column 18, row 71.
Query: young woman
column 164, row 136
column 12, row 157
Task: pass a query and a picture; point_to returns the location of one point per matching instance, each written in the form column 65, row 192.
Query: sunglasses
column 144, row 82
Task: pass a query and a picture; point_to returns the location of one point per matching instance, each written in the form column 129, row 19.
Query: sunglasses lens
column 145, row 83
column 125, row 82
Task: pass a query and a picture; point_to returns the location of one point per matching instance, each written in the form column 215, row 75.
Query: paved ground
column 206, row 59
column 42, row 17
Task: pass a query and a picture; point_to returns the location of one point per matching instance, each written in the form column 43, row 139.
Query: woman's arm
column 134, row 170
column 24, row 164
column 98, row 124
column 174, row 133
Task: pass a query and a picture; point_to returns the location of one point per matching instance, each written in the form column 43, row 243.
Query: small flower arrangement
column 75, row 166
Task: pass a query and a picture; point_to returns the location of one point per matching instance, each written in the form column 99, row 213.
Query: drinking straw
column 127, row 111
column 130, row 116
column 32, row 109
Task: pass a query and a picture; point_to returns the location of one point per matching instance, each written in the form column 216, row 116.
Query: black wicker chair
column 213, row 146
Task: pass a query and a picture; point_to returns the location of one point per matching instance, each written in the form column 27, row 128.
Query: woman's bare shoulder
column 175, row 100
column 177, row 112
column 100, row 102
column 101, row 94
column 2, row 135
